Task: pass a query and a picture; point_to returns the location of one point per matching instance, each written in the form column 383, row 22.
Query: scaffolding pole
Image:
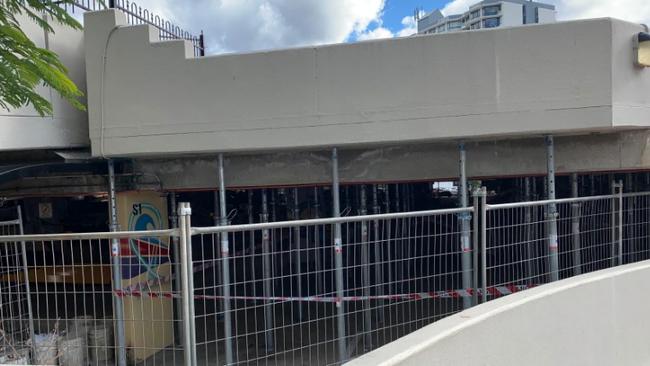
column 177, row 272
column 118, row 304
column 266, row 255
column 338, row 259
column 297, row 255
column 225, row 268
column 552, row 214
column 576, row 207
column 464, row 218
column 318, row 258
column 365, row 265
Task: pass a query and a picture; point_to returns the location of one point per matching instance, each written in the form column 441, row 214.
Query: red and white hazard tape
column 495, row 291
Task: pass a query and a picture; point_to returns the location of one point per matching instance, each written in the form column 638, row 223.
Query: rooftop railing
column 136, row 14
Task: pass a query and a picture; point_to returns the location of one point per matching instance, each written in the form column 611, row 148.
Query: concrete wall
column 595, row 319
column 23, row 128
column 153, row 98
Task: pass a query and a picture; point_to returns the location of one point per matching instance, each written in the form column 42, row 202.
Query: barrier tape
column 495, row 291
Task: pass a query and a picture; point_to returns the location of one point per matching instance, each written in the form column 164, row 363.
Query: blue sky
column 252, row 25
column 396, row 10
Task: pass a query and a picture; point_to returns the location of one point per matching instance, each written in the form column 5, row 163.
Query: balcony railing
column 136, row 14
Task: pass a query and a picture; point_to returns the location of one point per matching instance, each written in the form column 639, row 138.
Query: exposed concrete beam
column 416, row 162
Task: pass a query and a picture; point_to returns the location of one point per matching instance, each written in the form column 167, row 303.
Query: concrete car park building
column 280, row 206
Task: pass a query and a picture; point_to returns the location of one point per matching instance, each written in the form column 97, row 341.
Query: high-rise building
column 488, row 14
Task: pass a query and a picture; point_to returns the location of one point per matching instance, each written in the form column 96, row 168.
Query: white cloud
column 457, row 6
column 377, row 33
column 637, row 11
column 245, row 25
column 410, row 27
column 632, row 10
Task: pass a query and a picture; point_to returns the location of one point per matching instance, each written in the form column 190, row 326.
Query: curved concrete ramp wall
column 596, row 319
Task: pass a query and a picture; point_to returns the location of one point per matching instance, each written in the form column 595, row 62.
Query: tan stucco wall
column 154, row 98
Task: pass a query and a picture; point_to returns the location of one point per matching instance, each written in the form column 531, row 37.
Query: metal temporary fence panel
column 71, row 292
column 401, row 272
column 16, row 323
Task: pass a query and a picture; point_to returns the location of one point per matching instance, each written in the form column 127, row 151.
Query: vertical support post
column 575, row 226
column 629, row 187
column 317, row 245
column 475, row 246
column 379, row 277
column 338, row 259
column 620, row 223
column 28, row 294
column 484, row 223
column 552, row 213
column 388, row 252
column 187, row 288
column 251, row 240
column 266, row 255
column 530, row 246
column 465, row 244
column 178, row 303
column 297, row 255
column 118, row 304
column 225, row 268
column 365, row 269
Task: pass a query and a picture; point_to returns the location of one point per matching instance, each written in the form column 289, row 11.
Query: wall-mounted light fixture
column 642, row 49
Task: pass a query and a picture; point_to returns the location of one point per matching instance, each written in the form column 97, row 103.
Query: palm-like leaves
column 25, row 66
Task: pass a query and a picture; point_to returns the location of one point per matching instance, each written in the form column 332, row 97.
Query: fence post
column 379, row 277
column 475, row 245
column 225, row 267
column 338, row 259
column 483, row 196
column 528, row 219
column 187, row 286
column 116, row 260
column 575, row 226
column 28, row 294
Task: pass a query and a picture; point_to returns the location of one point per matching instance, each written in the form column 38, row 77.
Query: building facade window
column 475, row 14
column 523, row 15
column 491, row 22
column 476, row 25
column 491, row 10
column 454, row 25
column 536, row 15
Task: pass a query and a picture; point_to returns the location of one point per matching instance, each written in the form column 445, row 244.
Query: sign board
column 642, row 49
column 45, row 210
column 145, row 266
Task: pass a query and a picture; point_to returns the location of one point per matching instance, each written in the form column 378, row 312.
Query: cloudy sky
column 249, row 25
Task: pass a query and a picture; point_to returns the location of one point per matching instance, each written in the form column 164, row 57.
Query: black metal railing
column 136, row 14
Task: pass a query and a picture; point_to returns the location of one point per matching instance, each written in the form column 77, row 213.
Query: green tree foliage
column 25, row 66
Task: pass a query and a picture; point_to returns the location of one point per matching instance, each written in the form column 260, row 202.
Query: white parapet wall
column 149, row 98
column 594, row 319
